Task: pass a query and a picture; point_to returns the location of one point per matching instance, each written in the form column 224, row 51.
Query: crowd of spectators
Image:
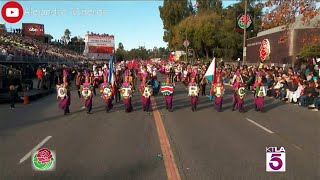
column 12, row 44
column 297, row 85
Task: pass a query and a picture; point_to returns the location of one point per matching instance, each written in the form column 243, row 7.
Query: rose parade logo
column 264, row 50
column 241, row 21
column 43, row 160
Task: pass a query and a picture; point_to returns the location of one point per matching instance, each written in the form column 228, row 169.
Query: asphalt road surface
column 160, row 145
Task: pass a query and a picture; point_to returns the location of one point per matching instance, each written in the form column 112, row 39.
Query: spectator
column 39, row 74
column 78, row 81
column 13, row 96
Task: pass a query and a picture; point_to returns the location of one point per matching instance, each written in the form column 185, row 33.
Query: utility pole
column 186, row 44
column 245, row 32
column 187, row 47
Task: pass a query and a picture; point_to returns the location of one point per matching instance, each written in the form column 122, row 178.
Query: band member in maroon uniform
column 193, row 92
column 238, row 102
column 145, row 99
column 126, row 97
column 78, row 82
column 258, row 98
column 92, row 81
column 117, row 85
column 65, row 101
column 88, row 88
column 106, row 93
column 168, row 95
column 218, row 92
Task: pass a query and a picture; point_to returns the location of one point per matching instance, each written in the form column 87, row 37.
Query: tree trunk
column 207, row 53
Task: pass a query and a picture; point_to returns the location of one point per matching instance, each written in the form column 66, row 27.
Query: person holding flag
column 209, row 77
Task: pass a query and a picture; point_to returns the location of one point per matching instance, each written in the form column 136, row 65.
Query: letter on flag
column 211, row 71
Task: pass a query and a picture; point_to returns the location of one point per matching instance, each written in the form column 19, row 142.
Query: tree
column 66, row 36
column 310, row 51
column 76, row 43
column 284, row 12
column 120, row 52
column 49, row 37
column 215, row 5
column 213, row 29
column 171, row 13
column 120, row 46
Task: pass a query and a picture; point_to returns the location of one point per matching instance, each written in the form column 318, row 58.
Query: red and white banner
column 166, row 89
column 99, row 46
column 32, row 29
column 99, row 40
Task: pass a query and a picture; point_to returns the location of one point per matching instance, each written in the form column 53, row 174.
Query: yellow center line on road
column 169, row 162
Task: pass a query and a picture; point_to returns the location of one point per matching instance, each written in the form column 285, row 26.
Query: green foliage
column 140, row 53
column 212, row 28
column 214, row 5
column 66, row 36
column 310, row 51
column 171, row 13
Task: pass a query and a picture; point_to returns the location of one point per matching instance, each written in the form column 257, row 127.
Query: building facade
column 285, row 43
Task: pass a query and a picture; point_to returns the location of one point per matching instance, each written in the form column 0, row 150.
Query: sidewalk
column 33, row 94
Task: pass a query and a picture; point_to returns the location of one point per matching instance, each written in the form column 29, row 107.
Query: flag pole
column 245, row 33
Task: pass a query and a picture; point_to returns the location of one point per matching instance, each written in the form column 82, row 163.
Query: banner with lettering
column 32, row 29
column 99, row 46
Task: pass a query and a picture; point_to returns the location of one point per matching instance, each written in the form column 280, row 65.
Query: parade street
column 159, row 145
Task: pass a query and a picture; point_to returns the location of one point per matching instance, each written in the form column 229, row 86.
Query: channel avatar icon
column 12, row 12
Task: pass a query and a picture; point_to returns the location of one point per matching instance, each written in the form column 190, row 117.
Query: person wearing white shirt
column 154, row 73
column 100, row 73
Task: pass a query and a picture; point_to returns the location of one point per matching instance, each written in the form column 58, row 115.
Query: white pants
column 293, row 96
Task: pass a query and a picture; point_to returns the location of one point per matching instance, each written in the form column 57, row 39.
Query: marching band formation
column 124, row 81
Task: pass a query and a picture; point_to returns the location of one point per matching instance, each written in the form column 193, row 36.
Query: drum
column 86, row 92
column 242, row 92
column 193, row 90
column 62, row 91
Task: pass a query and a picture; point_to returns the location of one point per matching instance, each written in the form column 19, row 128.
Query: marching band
column 124, row 88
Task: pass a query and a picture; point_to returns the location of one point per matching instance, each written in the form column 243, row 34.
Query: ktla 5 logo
column 275, row 159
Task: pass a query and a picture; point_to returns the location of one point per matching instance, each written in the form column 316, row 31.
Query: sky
column 134, row 23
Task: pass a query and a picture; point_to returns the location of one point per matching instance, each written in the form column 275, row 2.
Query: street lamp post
column 186, row 47
column 245, row 32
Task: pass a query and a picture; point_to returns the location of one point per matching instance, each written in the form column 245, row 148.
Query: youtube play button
column 12, row 12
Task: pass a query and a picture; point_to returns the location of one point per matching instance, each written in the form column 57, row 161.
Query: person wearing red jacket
column 39, row 74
